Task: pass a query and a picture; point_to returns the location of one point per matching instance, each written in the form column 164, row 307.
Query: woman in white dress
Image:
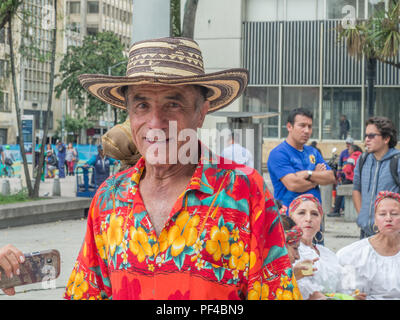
column 307, row 212
column 375, row 261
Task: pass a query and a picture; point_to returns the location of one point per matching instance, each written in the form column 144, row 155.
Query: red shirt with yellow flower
column 223, row 240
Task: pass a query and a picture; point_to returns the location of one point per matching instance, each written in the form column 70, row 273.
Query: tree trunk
column 49, row 103
column 189, row 18
column 371, row 78
column 18, row 111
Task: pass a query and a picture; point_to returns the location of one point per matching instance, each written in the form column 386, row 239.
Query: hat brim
column 224, row 86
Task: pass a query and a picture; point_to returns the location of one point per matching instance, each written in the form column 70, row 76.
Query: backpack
column 8, row 161
column 394, row 165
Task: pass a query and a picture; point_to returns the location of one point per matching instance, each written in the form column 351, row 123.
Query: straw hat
column 168, row 61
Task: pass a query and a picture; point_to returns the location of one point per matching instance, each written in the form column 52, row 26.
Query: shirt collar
column 203, row 178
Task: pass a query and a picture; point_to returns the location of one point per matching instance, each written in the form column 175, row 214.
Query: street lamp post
column 108, row 105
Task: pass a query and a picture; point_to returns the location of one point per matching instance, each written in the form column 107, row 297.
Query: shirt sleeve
column 89, row 279
column 270, row 273
column 279, row 164
column 357, row 177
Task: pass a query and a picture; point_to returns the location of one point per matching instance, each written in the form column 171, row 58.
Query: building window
column 387, row 104
column 3, row 68
column 92, row 30
column 4, row 105
column 337, row 102
column 300, row 97
column 92, row 7
column 334, row 8
column 3, row 35
column 263, row 99
column 74, row 7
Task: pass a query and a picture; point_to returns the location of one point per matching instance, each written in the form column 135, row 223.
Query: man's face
column 154, row 113
column 374, row 142
column 301, row 130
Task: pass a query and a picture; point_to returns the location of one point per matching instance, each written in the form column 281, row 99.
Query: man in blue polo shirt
column 294, row 167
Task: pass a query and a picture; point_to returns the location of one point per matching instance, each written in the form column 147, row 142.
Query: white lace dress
column 378, row 276
column 329, row 274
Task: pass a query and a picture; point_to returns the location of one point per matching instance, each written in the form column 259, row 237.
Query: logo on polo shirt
column 312, row 158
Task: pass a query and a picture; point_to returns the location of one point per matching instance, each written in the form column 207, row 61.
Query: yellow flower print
column 285, row 281
column 114, row 232
column 182, row 233
column 239, row 258
column 219, row 242
column 124, row 257
column 253, row 259
column 297, row 294
column 77, row 285
column 156, row 249
column 139, row 244
column 235, row 274
column 284, row 294
column 198, row 246
column 235, row 234
column 151, row 267
column 259, row 291
column 199, row 264
column 99, row 240
column 163, row 240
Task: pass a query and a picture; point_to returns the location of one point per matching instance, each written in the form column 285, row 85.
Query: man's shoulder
column 280, row 149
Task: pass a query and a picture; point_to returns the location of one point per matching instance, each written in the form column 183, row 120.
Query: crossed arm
column 296, row 182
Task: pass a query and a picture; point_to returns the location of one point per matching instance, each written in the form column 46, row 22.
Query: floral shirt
column 223, row 240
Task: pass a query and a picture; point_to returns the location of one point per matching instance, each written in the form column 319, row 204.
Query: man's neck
column 166, row 174
column 292, row 143
column 380, row 153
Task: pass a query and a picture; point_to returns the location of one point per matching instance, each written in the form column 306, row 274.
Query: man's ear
column 289, row 126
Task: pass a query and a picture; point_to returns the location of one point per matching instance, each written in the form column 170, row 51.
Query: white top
column 327, row 278
column 238, row 154
column 378, row 276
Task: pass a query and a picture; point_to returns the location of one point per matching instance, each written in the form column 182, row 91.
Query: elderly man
column 179, row 224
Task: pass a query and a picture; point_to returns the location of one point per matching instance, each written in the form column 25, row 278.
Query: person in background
column 1, row 155
column 293, row 234
column 306, row 211
column 314, row 145
column 375, row 261
column 235, row 152
column 10, row 259
column 101, row 164
column 51, row 164
column 344, row 127
column 348, row 168
column 341, row 178
column 375, row 174
column 70, row 159
column 296, row 168
column 8, row 160
column 61, row 149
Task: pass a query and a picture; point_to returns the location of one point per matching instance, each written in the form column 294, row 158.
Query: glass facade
column 339, row 101
column 300, row 97
column 264, row 99
column 387, row 104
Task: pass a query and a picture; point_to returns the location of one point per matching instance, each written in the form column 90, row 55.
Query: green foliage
column 96, row 54
column 376, row 38
column 73, row 125
column 175, row 18
column 20, row 196
column 7, row 9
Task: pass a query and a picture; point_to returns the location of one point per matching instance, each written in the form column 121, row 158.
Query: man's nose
column 157, row 119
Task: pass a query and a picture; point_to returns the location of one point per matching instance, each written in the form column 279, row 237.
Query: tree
column 97, row 53
column 74, row 126
column 189, row 18
column 376, row 39
column 8, row 11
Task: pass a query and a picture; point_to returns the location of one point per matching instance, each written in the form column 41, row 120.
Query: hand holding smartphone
column 36, row 267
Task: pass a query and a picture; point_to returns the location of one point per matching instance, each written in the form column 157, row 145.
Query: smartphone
column 38, row 267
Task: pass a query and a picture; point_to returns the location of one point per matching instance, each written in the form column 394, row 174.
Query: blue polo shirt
column 285, row 159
